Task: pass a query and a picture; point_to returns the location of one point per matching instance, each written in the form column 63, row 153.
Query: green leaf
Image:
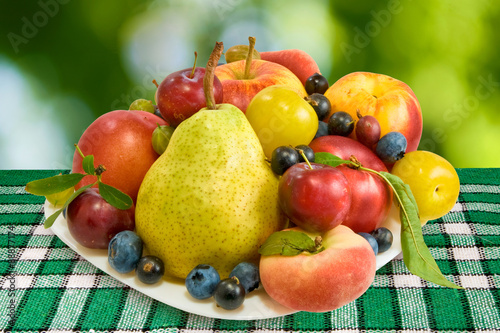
column 88, row 164
column 115, row 197
column 329, row 159
column 55, row 184
column 288, row 243
column 416, row 255
column 52, row 218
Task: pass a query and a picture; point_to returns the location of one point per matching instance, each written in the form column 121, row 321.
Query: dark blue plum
column 201, row 281
column 371, row 240
column 150, row 269
column 340, row 123
column 248, row 274
column 322, row 129
column 307, row 151
column 229, row 294
column 384, row 238
column 124, row 251
column 391, row 147
column 283, row 157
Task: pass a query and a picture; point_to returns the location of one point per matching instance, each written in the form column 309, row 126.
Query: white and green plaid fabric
column 45, row 286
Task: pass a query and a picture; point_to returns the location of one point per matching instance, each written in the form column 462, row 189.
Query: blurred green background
column 63, row 63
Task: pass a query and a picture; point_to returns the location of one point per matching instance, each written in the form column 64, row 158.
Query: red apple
column 121, row 142
column 391, row 101
column 371, row 200
column 344, row 147
column 239, row 89
column 325, row 281
column 93, row 222
column 298, row 61
column 316, row 199
column 180, row 95
column 371, row 196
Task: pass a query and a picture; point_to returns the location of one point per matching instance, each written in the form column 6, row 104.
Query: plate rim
column 261, row 304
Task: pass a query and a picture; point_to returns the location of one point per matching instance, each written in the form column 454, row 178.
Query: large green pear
column 211, row 197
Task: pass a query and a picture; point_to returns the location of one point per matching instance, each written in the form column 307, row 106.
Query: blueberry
column 307, row 151
column 322, row 129
column 248, row 274
column 384, row 238
column 282, row 158
column 391, row 147
column 371, row 240
column 340, row 123
column 124, row 251
column 64, row 211
column 150, row 269
column 320, row 103
column 201, row 281
column 229, row 293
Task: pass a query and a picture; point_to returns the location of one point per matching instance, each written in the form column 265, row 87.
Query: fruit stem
column 79, row 151
column 208, row 79
column 248, row 61
column 99, row 170
column 155, row 83
column 194, row 65
column 301, row 152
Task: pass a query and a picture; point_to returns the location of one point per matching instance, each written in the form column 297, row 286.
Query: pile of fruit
column 255, row 173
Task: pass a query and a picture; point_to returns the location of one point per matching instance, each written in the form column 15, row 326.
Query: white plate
column 257, row 305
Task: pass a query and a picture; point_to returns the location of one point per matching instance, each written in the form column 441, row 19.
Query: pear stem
column 208, row 79
column 194, row 65
column 248, row 61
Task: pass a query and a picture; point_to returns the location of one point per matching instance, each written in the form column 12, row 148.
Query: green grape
column 161, row 138
column 142, row 104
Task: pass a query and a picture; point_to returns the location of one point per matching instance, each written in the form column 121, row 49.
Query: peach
column 391, row 101
column 325, row 281
column 298, row 61
column 120, row 141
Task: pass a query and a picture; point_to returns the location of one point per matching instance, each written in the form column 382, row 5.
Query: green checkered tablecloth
column 45, row 286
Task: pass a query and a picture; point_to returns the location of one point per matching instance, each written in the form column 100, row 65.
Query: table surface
column 45, row 286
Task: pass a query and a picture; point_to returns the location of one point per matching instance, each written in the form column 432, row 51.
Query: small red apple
column 316, row 198
column 324, row 281
column 93, row 222
column 121, row 142
column 180, row 94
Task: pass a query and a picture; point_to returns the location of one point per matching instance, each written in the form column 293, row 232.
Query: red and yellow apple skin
column 325, row 281
column 120, row 141
column 391, row 101
column 239, row 91
column 298, row 61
